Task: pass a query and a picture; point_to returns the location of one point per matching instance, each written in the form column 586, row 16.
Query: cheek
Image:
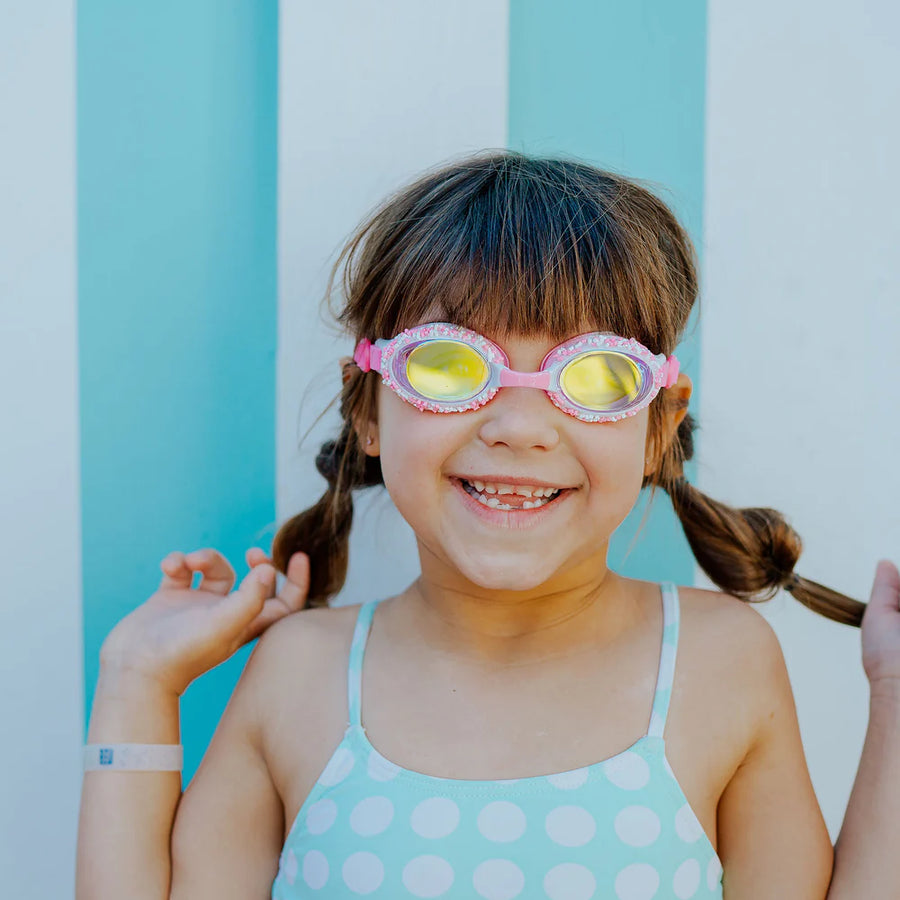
column 412, row 444
column 614, row 458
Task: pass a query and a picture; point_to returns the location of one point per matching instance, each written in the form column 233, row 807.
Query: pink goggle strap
column 672, row 367
column 367, row 356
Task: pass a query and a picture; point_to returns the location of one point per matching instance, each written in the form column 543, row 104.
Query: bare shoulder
column 300, row 692
column 309, row 629
column 296, row 651
column 727, row 640
column 728, row 618
column 733, row 628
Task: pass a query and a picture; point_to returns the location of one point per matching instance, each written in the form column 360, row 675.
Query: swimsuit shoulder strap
column 667, row 653
column 354, row 665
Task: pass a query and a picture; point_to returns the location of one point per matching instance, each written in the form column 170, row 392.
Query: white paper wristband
column 137, row 757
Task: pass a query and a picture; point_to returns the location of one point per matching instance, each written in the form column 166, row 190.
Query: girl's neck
column 585, row 609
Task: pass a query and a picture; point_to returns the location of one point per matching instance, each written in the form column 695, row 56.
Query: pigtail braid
column 748, row 552
column 323, row 531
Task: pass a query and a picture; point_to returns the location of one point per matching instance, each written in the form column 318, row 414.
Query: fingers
column 217, row 575
column 886, row 586
column 245, row 604
column 272, row 610
column 291, row 597
column 176, row 572
column 255, row 556
column 296, row 585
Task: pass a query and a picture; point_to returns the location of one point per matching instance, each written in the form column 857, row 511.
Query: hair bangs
column 513, row 245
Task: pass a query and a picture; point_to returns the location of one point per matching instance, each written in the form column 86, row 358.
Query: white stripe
column 370, row 94
column 800, row 321
column 41, row 702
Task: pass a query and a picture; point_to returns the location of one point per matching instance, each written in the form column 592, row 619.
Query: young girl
column 520, row 721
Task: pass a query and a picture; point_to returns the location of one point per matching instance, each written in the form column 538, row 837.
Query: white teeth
column 483, row 491
column 484, row 487
column 496, row 503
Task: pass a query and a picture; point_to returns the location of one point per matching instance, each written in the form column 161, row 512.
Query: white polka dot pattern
column 620, row 828
column 501, row 821
column 435, row 818
column 639, row 881
column 713, row 873
column 628, row 770
column 289, row 866
column 363, row 872
column 380, row 769
column 315, row 869
column 570, row 826
column 687, row 825
column 320, row 816
column 570, row 881
column 371, row 816
column 498, row 879
column 637, row 826
column 338, row 767
column 687, row 879
column 427, row 876
column 569, row 781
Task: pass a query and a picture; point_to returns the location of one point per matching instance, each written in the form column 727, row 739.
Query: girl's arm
column 867, row 856
column 126, row 817
column 146, row 663
column 772, row 838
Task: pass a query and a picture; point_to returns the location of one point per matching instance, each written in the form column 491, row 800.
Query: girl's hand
column 296, row 586
column 181, row 632
column 881, row 627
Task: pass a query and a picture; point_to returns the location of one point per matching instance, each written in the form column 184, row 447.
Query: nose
column 521, row 418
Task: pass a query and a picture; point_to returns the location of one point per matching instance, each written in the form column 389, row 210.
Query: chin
column 514, row 575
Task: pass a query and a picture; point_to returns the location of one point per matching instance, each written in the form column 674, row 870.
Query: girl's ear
column 682, row 390
column 368, row 435
column 371, row 446
column 679, row 396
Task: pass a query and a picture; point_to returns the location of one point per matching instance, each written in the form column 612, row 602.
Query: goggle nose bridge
column 511, row 378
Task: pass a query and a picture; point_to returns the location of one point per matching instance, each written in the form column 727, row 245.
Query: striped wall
column 41, row 637
column 800, row 323
column 179, row 181
column 176, row 303
column 621, row 85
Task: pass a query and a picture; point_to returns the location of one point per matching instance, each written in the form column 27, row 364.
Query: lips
column 512, row 506
column 514, row 482
column 505, row 498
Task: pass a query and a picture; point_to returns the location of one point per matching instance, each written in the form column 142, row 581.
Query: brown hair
column 509, row 243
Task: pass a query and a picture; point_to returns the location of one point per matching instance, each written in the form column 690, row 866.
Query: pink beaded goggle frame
column 596, row 377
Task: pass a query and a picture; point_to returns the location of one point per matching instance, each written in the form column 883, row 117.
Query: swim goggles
column 595, row 377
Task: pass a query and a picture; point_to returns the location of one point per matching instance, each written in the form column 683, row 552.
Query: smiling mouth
column 511, row 497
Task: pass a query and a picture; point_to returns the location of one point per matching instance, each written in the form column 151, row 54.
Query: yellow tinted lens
column 446, row 370
column 601, row 379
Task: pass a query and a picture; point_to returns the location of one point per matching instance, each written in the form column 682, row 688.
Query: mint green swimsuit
column 619, row 829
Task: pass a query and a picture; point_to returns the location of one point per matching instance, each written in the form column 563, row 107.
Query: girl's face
column 519, row 438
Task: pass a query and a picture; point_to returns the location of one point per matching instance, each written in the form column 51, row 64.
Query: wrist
column 124, row 681
column 132, row 707
column 885, row 692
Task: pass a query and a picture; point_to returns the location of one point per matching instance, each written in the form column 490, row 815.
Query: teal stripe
column 621, row 85
column 177, row 142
